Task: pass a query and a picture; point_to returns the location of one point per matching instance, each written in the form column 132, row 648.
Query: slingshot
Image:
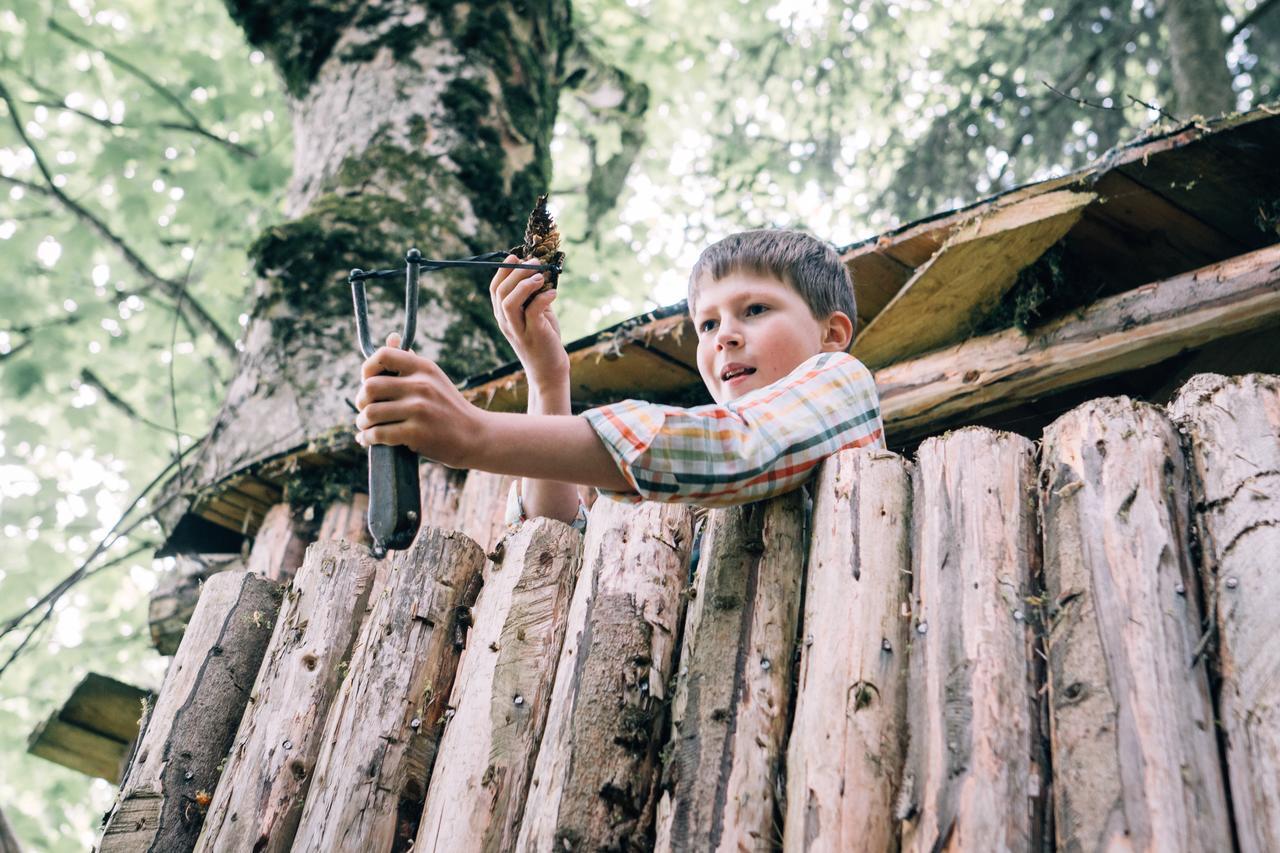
column 395, row 497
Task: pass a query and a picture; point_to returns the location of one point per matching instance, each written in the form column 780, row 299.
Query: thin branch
column 88, row 377
column 27, row 329
column 1084, row 102
column 1156, row 109
column 193, row 122
column 172, row 288
column 1250, row 19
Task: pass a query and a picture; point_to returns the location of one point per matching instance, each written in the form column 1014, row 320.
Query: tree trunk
column 733, row 691
column 281, row 543
column 1135, row 758
column 161, row 803
column 1198, row 56
column 501, row 693
column 975, row 775
column 421, row 124
column 1234, row 426
column 380, row 737
column 848, row 740
column 596, row 773
column 259, row 797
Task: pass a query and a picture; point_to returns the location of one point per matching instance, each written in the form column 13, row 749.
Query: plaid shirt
column 762, row 444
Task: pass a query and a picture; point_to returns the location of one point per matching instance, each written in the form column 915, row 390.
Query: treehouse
column 1039, row 620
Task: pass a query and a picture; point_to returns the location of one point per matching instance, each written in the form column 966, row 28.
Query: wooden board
column 94, row 729
column 960, row 284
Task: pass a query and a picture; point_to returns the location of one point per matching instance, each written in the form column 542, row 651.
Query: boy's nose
column 728, row 337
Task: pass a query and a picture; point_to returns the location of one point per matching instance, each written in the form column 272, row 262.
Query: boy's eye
column 706, row 325
column 756, row 308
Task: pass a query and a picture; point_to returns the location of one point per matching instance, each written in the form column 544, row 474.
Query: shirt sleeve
column 762, row 444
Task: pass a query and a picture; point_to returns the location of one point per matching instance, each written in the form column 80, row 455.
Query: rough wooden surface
column 965, row 279
column 1117, row 334
column 1135, row 759
column 734, row 683
column 160, row 805
column 346, row 520
column 848, row 738
column 379, row 739
column 596, row 772
column 502, row 690
column 175, row 596
column 1234, row 429
column 441, row 494
column 280, row 544
column 975, row 777
column 259, row 798
column 482, row 507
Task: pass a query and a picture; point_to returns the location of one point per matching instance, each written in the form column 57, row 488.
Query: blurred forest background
column 144, row 146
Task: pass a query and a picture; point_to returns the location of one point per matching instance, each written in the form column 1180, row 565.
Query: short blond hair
column 800, row 260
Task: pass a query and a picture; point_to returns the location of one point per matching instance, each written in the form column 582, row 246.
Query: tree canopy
column 145, row 147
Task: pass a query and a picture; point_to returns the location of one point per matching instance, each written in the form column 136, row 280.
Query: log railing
column 997, row 646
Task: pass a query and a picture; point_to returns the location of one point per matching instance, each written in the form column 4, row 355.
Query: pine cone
column 542, row 243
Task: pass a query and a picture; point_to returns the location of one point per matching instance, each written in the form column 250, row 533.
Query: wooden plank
column 500, row 698
column 848, row 739
column 160, row 805
column 79, row 748
column 966, row 278
column 1123, row 332
column 268, row 772
column 379, row 739
column 733, row 691
column 1135, row 758
column 976, row 777
column 174, row 599
column 1234, row 429
column 877, row 278
column 107, row 706
column 596, row 774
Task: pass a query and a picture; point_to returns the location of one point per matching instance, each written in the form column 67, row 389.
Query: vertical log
column 848, row 739
column 441, row 495
column 174, row 599
column 161, row 803
column 482, row 508
column 1234, row 425
column 280, row 544
column 733, row 690
column 594, row 780
column 975, row 777
column 1135, row 762
column 346, row 520
column 380, row 736
column 259, row 798
column 501, row 693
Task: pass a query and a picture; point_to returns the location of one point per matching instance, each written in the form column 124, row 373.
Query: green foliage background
column 841, row 117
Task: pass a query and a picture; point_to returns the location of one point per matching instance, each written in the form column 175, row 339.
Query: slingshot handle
column 395, row 498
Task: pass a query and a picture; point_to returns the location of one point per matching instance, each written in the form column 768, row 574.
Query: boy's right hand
column 533, row 332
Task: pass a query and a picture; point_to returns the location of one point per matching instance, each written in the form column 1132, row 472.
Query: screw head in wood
column 1232, row 583
column 764, row 664
column 922, row 628
column 415, row 723
column 1180, row 589
column 519, row 700
column 885, row 644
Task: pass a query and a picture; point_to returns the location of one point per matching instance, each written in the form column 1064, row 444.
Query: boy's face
column 753, row 330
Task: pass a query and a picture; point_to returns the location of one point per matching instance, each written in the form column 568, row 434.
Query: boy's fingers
column 502, row 275
column 390, row 359
column 513, row 304
column 383, row 413
column 393, row 340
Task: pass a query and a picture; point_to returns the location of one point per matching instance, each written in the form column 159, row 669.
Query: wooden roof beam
column 1134, row 329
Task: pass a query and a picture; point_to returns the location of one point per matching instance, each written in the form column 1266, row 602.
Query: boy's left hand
column 417, row 406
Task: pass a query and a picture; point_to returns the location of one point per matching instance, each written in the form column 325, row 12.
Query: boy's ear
column 838, row 333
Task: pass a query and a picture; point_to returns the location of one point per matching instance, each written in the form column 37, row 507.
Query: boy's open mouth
column 735, row 370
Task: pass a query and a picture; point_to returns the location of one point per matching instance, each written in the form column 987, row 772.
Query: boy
column 773, row 314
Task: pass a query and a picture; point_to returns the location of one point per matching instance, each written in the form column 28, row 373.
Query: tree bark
column 161, row 803
column 596, row 773
column 281, row 543
column 976, row 776
column 1135, row 759
column 259, row 797
column 501, row 693
column 1234, row 427
column 380, row 737
column 733, row 691
column 1198, row 56
column 848, row 739
column 421, row 124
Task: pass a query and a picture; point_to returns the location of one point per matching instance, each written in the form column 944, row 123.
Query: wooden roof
column 1173, row 201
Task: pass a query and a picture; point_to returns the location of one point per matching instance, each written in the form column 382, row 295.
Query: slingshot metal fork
column 395, row 497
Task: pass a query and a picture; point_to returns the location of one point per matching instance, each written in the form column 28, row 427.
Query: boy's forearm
column 549, row 498
column 563, row 448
